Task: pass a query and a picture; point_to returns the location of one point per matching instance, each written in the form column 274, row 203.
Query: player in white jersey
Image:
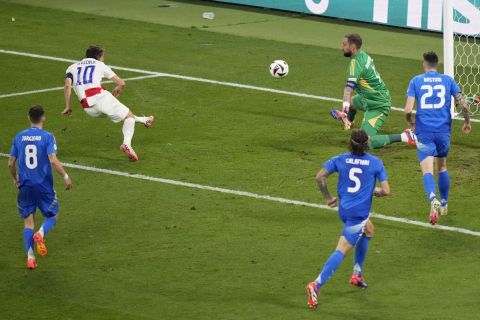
column 85, row 76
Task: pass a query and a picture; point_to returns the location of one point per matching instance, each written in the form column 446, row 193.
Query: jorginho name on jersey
column 433, row 92
column 357, row 176
column 31, row 147
column 88, row 74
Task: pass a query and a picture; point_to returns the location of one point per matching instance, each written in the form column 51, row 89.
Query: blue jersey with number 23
column 433, row 92
column 357, row 176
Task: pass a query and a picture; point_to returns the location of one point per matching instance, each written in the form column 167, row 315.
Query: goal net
column 466, row 53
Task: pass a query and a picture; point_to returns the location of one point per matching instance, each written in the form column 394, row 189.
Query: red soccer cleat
column 433, row 218
column 435, row 204
column 31, row 263
column 149, row 122
column 412, row 138
column 129, row 152
column 40, row 244
column 358, row 281
column 312, row 295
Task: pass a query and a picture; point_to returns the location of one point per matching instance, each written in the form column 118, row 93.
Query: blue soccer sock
column 444, row 186
column 329, row 268
column 360, row 253
column 429, row 185
column 28, row 242
column 47, row 225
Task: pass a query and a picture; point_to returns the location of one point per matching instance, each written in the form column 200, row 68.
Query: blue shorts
column 353, row 230
column 30, row 198
column 432, row 145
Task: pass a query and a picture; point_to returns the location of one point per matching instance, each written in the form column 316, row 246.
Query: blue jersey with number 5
column 433, row 92
column 31, row 147
column 357, row 176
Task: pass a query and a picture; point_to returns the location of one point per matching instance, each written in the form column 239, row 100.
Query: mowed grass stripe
column 61, row 88
column 178, row 76
column 259, row 196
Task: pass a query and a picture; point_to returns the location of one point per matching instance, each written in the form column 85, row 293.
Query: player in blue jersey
column 358, row 173
column 433, row 120
column 36, row 151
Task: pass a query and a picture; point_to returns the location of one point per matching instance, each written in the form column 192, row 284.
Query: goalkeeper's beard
column 347, row 54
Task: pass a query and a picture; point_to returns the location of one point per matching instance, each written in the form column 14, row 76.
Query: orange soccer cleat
column 40, row 244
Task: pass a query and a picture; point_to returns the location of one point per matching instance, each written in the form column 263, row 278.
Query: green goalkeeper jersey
column 364, row 78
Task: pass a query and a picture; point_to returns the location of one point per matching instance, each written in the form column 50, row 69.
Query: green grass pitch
column 126, row 248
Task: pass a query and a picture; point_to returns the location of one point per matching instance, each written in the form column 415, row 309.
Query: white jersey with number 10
column 87, row 74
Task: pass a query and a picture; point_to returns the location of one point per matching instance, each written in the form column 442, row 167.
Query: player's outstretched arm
column 61, row 171
column 13, row 170
column 408, row 111
column 67, row 92
column 459, row 100
column 383, row 190
column 322, row 185
column 120, row 85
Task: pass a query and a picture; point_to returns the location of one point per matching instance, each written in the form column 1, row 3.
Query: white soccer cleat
column 443, row 210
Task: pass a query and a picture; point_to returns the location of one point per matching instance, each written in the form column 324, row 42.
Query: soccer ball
column 279, row 69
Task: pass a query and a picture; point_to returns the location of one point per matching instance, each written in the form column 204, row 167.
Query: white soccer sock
column 128, row 130
column 141, row 119
column 404, row 137
column 30, row 253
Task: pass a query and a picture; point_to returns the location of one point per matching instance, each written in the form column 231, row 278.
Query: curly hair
column 359, row 142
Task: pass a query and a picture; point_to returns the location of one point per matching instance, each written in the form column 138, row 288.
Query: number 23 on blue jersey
column 436, row 91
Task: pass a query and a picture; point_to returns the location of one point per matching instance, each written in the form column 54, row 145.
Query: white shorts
column 107, row 105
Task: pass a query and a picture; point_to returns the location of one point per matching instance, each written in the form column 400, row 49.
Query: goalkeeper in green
column 373, row 97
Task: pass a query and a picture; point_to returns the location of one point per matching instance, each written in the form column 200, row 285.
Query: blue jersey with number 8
column 433, row 92
column 31, row 147
column 357, row 176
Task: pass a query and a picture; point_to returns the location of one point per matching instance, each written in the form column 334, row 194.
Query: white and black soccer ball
column 279, row 69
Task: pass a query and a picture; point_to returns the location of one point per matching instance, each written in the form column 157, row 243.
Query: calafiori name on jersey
column 31, row 138
column 357, row 161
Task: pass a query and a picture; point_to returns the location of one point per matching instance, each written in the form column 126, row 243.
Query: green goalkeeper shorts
column 376, row 112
